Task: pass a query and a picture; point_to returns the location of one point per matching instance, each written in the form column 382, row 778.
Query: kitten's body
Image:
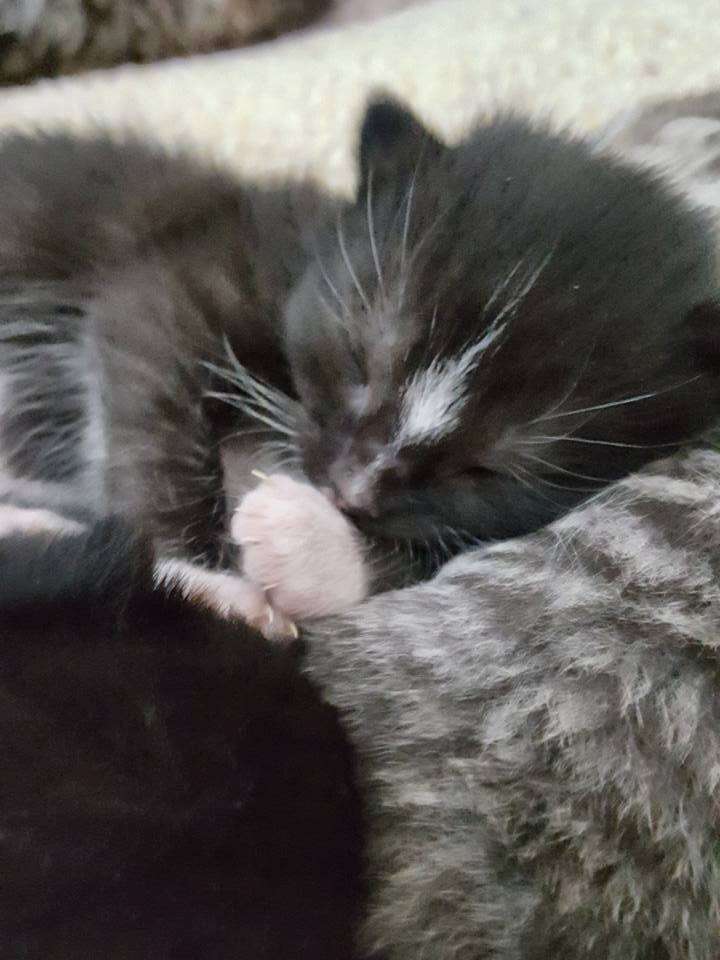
column 537, row 728
column 484, row 337
column 122, row 272
column 170, row 786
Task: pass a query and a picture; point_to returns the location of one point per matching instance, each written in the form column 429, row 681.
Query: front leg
column 34, row 576
column 228, row 595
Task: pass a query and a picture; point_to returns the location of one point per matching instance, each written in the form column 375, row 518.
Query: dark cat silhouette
column 171, row 786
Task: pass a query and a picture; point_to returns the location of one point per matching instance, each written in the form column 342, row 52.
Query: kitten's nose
column 354, row 494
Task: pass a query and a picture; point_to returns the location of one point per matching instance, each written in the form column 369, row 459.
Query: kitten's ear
column 392, row 141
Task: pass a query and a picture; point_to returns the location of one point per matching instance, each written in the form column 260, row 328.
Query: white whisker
column 558, row 469
column 408, row 212
column 613, row 403
column 501, row 287
column 330, row 285
column 348, row 264
column 540, row 440
column 371, row 232
column 517, row 298
column 242, row 403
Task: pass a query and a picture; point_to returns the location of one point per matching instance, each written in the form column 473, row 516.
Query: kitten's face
column 454, row 330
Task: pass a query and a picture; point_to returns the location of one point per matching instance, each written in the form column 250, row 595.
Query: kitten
column 504, row 327
column 485, row 336
column 172, row 787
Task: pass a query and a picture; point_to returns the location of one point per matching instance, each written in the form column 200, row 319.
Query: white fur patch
column 433, row 398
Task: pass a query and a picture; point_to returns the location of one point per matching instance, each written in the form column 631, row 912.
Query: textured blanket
column 538, row 727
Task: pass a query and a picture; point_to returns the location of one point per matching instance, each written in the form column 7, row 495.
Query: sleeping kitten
column 171, row 786
column 484, row 337
column 504, row 327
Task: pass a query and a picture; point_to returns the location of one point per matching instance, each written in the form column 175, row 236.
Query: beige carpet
column 292, row 105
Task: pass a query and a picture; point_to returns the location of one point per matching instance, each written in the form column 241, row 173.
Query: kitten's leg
column 228, row 595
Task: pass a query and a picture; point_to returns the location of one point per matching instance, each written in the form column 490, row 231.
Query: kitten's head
column 469, row 309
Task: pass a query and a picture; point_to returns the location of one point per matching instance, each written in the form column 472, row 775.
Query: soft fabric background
column 292, row 105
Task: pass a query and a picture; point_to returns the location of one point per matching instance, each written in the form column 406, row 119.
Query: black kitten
column 498, row 329
column 171, row 786
column 487, row 335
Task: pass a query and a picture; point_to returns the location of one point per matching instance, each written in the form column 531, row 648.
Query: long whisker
column 371, row 232
column 276, row 404
column 517, row 298
column 252, row 402
column 502, row 287
column 573, row 387
column 348, row 264
column 330, row 285
column 555, row 486
column 540, row 440
column 241, row 403
column 408, row 212
column 518, row 476
column 614, row 403
column 558, row 469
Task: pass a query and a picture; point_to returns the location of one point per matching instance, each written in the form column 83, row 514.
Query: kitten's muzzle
column 354, row 495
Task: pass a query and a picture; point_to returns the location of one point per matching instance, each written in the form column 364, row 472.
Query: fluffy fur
column 539, row 732
column 484, row 336
column 120, row 295
column 505, row 325
column 538, row 724
column 48, row 37
column 171, row 786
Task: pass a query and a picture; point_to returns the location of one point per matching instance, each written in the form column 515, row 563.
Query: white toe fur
column 299, row 549
column 228, row 595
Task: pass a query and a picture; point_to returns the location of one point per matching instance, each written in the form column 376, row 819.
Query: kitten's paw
column 31, row 521
column 299, row 549
column 228, row 595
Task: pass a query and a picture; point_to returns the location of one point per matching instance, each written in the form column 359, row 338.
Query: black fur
column 128, row 278
column 170, row 785
column 123, row 271
column 615, row 286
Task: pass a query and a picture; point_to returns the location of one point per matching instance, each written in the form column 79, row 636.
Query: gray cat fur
column 539, row 726
column 540, row 734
